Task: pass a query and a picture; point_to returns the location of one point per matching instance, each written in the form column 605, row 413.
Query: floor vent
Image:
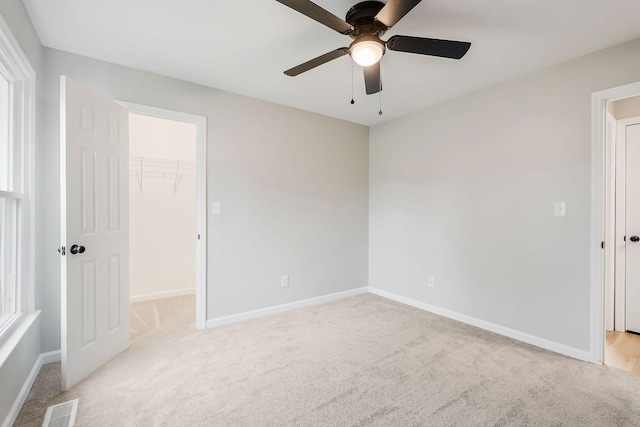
column 61, row 415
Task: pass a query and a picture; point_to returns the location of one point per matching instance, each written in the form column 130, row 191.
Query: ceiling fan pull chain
column 380, row 91
column 352, row 77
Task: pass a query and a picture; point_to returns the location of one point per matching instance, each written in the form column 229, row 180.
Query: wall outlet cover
column 560, row 209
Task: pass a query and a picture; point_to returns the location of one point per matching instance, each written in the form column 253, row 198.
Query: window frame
column 17, row 70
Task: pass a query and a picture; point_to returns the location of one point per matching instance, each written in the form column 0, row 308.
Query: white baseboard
column 51, row 357
column 43, row 359
column 492, row 327
column 160, row 295
column 220, row 321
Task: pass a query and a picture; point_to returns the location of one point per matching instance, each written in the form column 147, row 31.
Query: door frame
column 602, row 231
column 201, row 196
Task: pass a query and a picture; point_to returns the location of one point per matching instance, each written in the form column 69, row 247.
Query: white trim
column 161, row 295
column 599, row 108
column 201, row 197
column 511, row 333
column 610, row 221
column 13, row 334
column 488, row 326
column 10, row 195
column 43, row 359
column 617, row 172
column 16, row 68
column 51, row 357
column 63, row 224
column 220, row 321
column 598, row 116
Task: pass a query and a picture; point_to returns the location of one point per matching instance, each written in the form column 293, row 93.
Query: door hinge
column 62, row 250
column 198, row 236
column 602, row 245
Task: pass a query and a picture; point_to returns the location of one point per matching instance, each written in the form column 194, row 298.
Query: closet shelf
column 153, row 168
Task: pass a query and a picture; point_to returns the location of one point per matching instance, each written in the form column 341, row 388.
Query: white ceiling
column 243, row 46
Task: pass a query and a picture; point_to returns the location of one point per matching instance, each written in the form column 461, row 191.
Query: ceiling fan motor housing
column 367, row 48
column 362, row 18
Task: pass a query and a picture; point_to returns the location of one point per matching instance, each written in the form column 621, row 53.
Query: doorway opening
column 162, row 221
column 622, row 290
column 167, row 217
column 616, row 222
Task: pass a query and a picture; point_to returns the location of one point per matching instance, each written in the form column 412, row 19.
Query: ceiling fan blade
column 434, row 47
column 393, row 11
column 318, row 14
column 372, row 80
column 322, row 59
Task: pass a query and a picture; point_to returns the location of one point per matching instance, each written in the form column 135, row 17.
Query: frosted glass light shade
column 366, row 52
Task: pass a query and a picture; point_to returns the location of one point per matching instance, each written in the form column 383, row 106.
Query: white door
column 94, row 205
column 632, row 215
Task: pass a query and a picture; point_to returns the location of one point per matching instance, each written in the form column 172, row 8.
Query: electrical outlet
column 560, row 209
column 431, row 281
column 284, row 281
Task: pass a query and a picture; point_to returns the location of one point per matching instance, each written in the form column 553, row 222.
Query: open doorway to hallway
column 622, row 351
column 622, row 263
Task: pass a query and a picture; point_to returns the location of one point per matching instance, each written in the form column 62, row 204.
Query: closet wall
column 625, row 108
column 162, row 206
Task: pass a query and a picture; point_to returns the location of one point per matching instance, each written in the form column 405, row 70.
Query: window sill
column 12, row 336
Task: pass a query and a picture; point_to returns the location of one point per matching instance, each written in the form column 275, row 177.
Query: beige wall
column 464, row 191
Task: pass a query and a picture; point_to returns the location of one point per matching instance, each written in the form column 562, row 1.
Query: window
column 8, row 211
column 17, row 106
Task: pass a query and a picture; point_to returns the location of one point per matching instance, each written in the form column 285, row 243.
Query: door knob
column 634, row 239
column 75, row 249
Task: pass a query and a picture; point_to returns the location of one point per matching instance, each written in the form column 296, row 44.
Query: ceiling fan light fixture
column 367, row 51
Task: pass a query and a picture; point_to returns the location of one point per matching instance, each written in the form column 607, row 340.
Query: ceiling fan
column 365, row 23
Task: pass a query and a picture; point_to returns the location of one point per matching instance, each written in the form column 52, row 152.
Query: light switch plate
column 216, row 208
column 560, row 209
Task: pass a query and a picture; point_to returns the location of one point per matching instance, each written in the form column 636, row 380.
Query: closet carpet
column 361, row 361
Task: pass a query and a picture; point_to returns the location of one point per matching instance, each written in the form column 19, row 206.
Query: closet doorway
column 166, row 214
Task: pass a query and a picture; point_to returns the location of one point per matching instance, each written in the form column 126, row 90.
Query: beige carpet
column 362, row 361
